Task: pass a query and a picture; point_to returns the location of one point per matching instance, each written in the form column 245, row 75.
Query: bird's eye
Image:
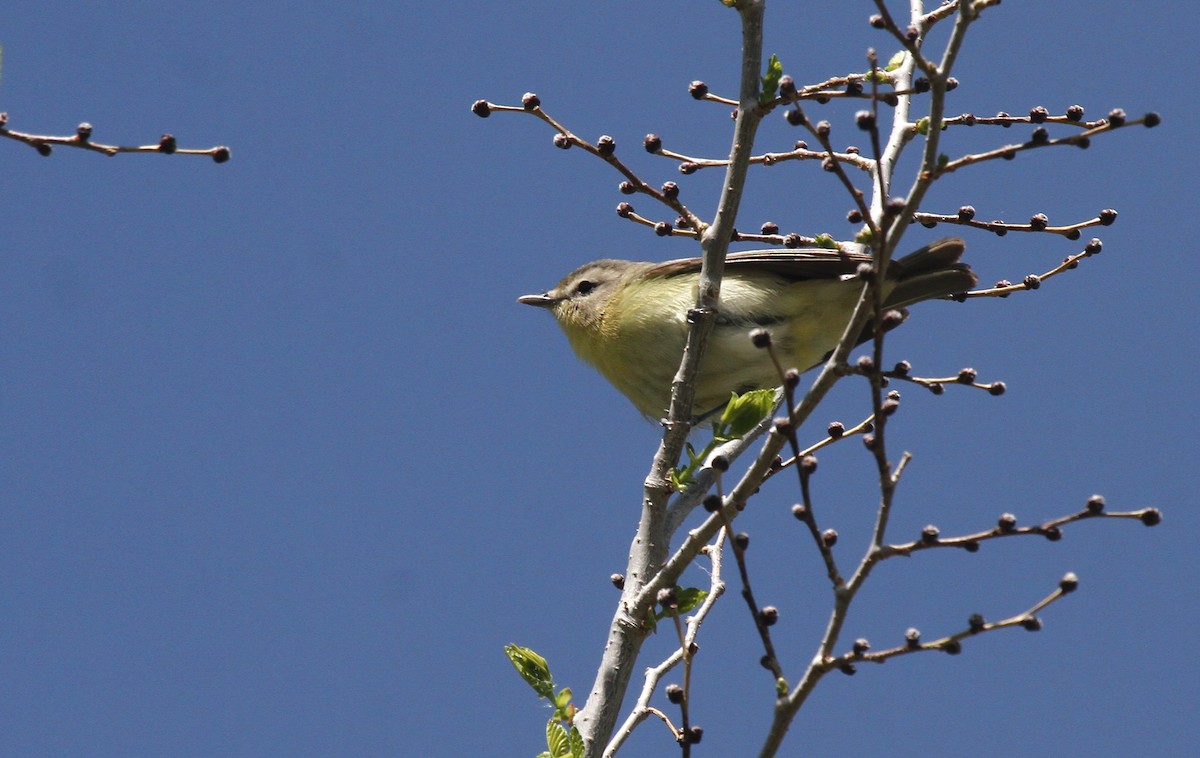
column 584, row 287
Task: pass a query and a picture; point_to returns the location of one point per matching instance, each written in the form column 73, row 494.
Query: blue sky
column 283, row 465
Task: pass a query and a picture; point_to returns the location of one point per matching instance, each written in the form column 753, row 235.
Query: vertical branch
column 714, row 243
column 886, row 164
column 869, row 306
column 598, row 717
column 939, row 76
column 893, row 224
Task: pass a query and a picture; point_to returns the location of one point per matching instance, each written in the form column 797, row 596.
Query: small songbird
column 629, row 319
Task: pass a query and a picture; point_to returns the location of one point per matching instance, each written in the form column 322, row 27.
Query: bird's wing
column 805, row 263
column 821, row 263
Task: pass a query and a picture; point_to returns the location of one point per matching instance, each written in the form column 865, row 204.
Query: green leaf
column 743, row 412
column 680, row 479
column 557, row 740
column 770, row 80
column 923, row 126
column 576, row 743
column 826, row 242
column 781, row 686
column 651, row 620
column 563, row 698
column 532, row 668
column 896, row 61
column 688, row 598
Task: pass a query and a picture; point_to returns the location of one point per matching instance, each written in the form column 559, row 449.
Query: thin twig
column 82, row 140
column 654, row 675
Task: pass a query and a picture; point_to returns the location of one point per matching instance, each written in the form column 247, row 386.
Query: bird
column 629, row 319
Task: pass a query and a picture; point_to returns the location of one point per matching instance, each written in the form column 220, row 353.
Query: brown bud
column 1069, row 582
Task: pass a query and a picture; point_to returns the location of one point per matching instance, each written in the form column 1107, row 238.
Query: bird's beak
column 541, row 301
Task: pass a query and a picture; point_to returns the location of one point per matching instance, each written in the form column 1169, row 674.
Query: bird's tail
column 933, row 271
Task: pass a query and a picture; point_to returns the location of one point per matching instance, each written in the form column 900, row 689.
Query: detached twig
column 82, row 139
